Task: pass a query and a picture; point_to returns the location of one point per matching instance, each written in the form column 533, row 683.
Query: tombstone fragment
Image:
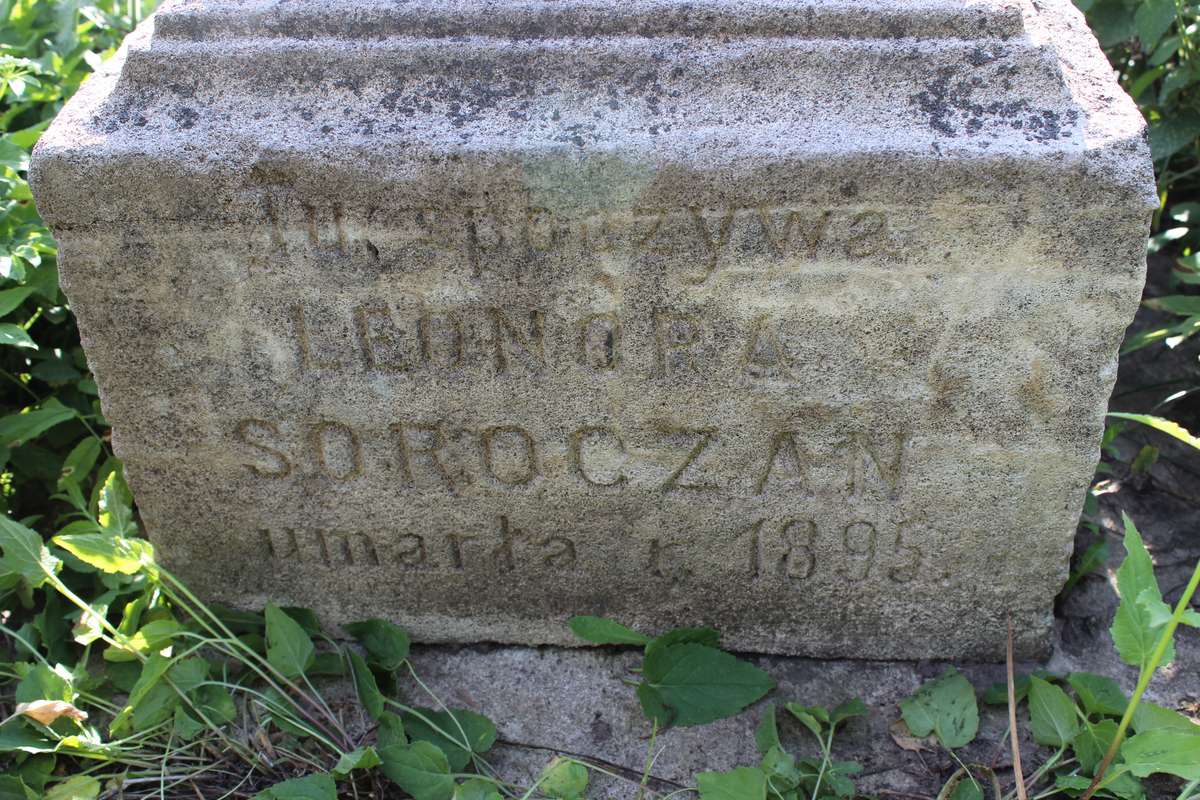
column 797, row 319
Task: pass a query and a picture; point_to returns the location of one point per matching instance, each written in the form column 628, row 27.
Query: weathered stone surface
column 795, row 318
column 549, row 699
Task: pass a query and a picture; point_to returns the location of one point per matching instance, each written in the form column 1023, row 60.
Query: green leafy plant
column 780, row 774
column 1154, row 47
column 686, row 678
column 1085, row 718
column 176, row 678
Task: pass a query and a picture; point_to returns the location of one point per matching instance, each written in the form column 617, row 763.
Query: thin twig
column 1012, row 719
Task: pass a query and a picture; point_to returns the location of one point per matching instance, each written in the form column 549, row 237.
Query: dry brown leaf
column 903, row 737
column 47, row 711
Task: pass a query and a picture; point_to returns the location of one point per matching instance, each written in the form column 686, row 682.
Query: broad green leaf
column 812, row 717
column 45, row 683
column 306, row 618
column 131, row 616
column 15, row 336
column 420, row 769
column 1151, row 717
column 157, row 707
column 653, row 707
column 364, row 683
column 599, row 630
column 847, row 710
column 997, row 693
column 479, row 730
column 704, row 636
column 359, row 758
column 1092, row 743
column 1126, row 787
column 1163, row 751
column 152, row 671
column 1170, row 334
column 54, row 629
column 386, row 643
column 1093, row 559
column 476, row 789
column 11, row 298
column 1052, row 714
column 1132, row 632
column 563, row 779
column 700, row 684
column 77, row 787
column 945, row 707
column 216, row 702
column 151, row 700
column 1186, row 305
column 780, row 768
column 965, row 788
column 79, row 462
column 328, row 664
column 1099, row 695
column 12, row 787
column 150, row 638
column 108, row 552
column 27, row 137
column 25, row 553
column 12, row 155
column 116, row 505
column 766, row 735
column 184, row 725
column 55, row 371
column 391, row 730
column 1160, row 424
column 37, row 770
column 311, row 787
column 11, row 267
column 743, row 783
column 1159, row 613
column 1153, row 18
column 16, row 429
column 189, row 673
column 289, row 649
column 1171, row 134
column 16, row 735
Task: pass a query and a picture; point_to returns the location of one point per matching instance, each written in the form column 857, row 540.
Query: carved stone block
column 792, row 317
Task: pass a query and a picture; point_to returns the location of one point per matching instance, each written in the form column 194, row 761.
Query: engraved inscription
column 458, row 326
column 433, row 454
column 277, row 465
column 411, row 341
column 785, row 551
column 796, row 549
column 507, row 240
column 498, row 546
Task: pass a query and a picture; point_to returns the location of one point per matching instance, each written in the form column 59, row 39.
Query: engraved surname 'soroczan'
column 440, row 455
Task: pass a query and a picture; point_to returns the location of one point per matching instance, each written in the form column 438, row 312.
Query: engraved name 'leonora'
column 377, row 339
